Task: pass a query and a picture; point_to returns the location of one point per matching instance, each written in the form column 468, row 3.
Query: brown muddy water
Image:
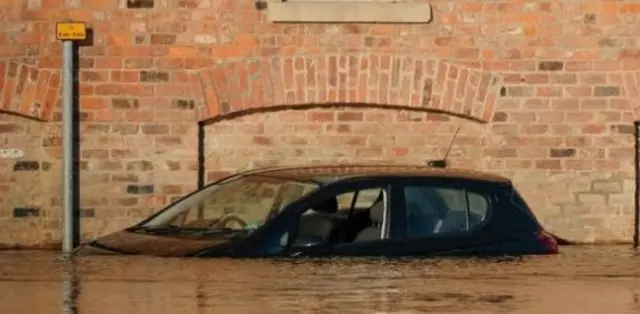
column 582, row 279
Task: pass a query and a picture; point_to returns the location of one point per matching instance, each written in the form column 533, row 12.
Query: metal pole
column 636, row 235
column 201, row 166
column 201, row 152
column 68, row 197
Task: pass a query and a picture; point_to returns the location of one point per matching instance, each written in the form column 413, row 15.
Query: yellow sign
column 71, row 31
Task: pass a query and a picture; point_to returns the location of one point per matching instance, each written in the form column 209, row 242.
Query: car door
column 358, row 244
column 445, row 215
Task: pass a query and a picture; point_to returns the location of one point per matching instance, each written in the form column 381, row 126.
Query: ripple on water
column 583, row 279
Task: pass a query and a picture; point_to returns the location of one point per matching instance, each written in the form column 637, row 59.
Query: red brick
column 28, row 107
column 212, row 102
column 3, row 72
column 51, row 96
column 7, row 94
column 321, row 116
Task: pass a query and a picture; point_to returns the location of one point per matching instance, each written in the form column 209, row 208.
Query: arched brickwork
column 28, row 91
column 631, row 80
column 382, row 79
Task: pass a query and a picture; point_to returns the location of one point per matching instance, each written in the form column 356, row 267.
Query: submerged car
column 340, row 210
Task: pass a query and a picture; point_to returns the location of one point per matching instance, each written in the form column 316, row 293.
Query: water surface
column 597, row 279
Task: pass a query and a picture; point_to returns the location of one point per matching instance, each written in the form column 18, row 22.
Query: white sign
column 6, row 153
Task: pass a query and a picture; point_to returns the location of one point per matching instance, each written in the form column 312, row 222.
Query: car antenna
column 442, row 163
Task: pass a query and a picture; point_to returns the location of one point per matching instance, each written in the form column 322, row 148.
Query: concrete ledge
column 349, row 12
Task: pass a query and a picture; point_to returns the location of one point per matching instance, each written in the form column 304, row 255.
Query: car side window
column 333, row 221
column 437, row 210
column 363, row 199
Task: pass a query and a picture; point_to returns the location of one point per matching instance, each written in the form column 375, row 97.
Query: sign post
column 636, row 224
column 68, row 32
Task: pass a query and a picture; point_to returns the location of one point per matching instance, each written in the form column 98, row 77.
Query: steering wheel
column 231, row 218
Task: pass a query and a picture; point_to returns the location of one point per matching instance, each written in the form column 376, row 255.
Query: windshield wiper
column 176, row 229
column 163, row 229
column 221, row 231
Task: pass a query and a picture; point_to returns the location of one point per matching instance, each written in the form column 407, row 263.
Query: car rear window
column 437, row 210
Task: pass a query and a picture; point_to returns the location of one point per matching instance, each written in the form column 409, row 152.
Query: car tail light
column 547, row 241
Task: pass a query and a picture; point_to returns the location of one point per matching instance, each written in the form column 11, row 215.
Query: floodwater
column 582, row 279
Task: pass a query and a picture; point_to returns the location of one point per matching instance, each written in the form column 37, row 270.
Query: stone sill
column 348, row 12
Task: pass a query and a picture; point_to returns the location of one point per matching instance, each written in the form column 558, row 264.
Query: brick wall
column 543, row 91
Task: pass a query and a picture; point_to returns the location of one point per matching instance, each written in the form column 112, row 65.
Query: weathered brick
column 623, row 128
column 562, row 152
column 163, row 39
column 87, row 212
column 126, row 129
column 95, row 153
column 501, row 152
column 155, row 129
column 46, row 166
column 500, row 117
column 122, row 103
column 183, row 104
column 140, row 189
column 122, row 153
column 550, row 66
column 26, row 166
column 24, row 212
column 140, row 4
column 520, row 91
column 605, row 186
column 606, row 91
column 172, row 165
column 141, row 165
column 154, row 76
column 11, row 128
column 128, row 177
column 548, row 164
column 96, row 128
column 137, row 63
column 350, row 116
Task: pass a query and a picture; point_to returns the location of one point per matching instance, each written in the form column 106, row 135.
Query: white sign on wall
column 10, row 153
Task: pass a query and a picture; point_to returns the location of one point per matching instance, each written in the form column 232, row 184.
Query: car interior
column 358, row 216
column 347, row 218
column 443, row 210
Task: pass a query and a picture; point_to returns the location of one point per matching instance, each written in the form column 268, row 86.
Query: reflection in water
column 580, row 280
column 70, row 287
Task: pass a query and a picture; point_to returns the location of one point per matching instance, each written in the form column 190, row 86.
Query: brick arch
column 28, row 91
column 379, row 79
column 631, row 81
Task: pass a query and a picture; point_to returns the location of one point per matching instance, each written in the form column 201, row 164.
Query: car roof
column 326, row 173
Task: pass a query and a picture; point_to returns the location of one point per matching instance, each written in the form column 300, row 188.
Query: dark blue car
column 340, row 210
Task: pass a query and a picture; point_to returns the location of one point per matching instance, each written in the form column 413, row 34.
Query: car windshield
column 241, row 204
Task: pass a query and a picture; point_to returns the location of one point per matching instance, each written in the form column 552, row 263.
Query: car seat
column 376, row 214
column 319, row 222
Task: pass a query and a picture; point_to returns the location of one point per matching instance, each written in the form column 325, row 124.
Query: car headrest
column 376, row 214
column 328, row 206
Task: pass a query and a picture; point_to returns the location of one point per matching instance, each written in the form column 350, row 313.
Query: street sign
column 71, row 31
